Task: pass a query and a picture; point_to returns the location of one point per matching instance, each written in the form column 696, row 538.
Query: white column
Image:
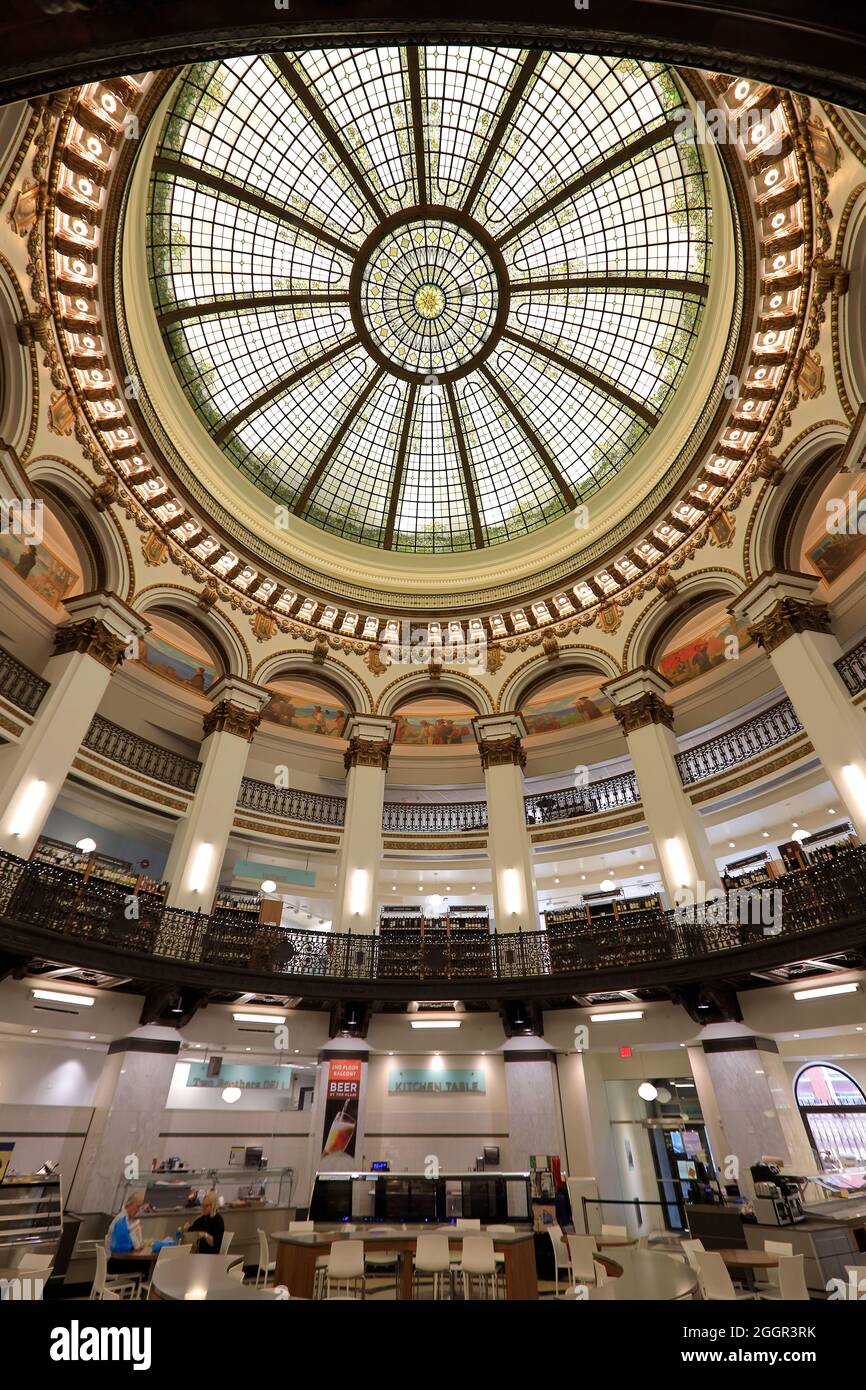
column 795, row 633
column 500, row 744
column 366, row 761
column 200, row 840
column 681, row 843
column 88, row 649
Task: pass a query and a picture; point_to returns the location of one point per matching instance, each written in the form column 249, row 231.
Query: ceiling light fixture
column 618, row 1017
column 259, row 1018
column 56, row 996
column 824, row 991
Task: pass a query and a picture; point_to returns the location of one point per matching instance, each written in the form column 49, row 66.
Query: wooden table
column 297, row 1253
column 748, row 1259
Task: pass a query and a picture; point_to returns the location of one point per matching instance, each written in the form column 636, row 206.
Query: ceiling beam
column 494, row 141
column 400, row 466
column 237, row 192
column 329, row 132
column 240, row 303
column 586, row 375
column 466, row 466
column 278, row 387
column 538, row 444
column 413, row 65
column 336, row 439
column 624, row 155
column 633, row 283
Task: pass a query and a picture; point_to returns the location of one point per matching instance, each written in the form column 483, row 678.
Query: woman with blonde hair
column 209, row 1227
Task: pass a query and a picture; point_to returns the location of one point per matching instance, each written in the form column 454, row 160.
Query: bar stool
column 498, row 1255
column 478, row 1262
column 383, row 1261
column 266, row 1264
column 432, row 1257
column 346, row 1268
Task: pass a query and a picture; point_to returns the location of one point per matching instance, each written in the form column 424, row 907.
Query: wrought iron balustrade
column 287, row 803
column 852, row 668
column 140, row 755
column 434, row 817
column 569, row 802
column 59, row 901
column 748, row 740
column 19, row 685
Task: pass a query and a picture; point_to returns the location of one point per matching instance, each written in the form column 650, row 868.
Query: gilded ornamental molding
column 502, row 752
column 91, row 637
column 226, row 717
column 789, row 616
column 646, row 709
column 367, row 752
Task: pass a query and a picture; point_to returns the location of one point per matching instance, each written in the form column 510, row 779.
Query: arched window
column 833, row 1108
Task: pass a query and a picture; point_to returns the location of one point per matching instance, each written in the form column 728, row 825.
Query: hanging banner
column 342, row 1095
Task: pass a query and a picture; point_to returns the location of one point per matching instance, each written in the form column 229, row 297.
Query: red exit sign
column 625, row 1052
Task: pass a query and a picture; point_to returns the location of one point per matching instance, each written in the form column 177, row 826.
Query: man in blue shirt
column 124, row 1234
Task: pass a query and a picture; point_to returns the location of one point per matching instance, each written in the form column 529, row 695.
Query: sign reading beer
column 342, row 1095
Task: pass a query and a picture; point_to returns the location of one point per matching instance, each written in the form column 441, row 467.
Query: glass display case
column 182, row 1189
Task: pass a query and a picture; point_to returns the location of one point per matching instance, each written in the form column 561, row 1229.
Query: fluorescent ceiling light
column 259, row 1018
column 58, row 997
column 824, row 991
column 613, row 1018
column 435, row 1023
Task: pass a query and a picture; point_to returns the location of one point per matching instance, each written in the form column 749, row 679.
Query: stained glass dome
column 429, row 299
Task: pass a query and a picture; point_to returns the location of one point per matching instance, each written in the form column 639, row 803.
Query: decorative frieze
column 645, row 709
column 789, row 616
column 226, row 717
column 91, row 637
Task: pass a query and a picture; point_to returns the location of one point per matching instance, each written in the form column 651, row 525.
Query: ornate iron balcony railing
column 749, row 739
column 852, row 668
column 20, row 685
column 60, row 901
column 140, row 755
column 570, row 802
column 289, row 804
column 437, row 818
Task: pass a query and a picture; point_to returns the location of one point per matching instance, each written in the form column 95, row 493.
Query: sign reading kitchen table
column 403, row 1081
column 342, row 1095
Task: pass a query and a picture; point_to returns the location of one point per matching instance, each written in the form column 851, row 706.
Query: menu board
column 342, row 1095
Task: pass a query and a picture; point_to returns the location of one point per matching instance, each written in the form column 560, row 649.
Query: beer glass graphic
column 341, row 1132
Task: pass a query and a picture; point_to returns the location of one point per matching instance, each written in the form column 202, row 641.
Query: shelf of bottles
column 753, row 871
column 602, row 925
column 412, row 943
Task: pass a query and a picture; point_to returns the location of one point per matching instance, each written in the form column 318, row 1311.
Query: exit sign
column 625, row 1052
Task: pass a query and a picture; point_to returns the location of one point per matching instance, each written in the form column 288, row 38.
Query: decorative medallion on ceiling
column 429, row 299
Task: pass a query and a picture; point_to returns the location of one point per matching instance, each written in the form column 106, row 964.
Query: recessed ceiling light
column 831, row 810
column 556, row 880
column 259, row 1018
column 731, row 844
column 57, row 996
column 92, row 1036
column 473, row 888
column 614, row 1018
column 435, row 1023
column 583, row 876
column 796, row 824
column 34, row 1030
column 640, row 866
column 766, row 834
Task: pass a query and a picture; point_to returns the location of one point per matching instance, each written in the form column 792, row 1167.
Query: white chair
column 108, row 1294
column 237, row 1272
column 715, row 1281
column 792, row 1281
column 433, row 1258
column 117, row 1285
column 691, row 1250
column 225, row 1243
column 468, row 1223
column 498, row 1255
column 35, row 1264
column 478, row 1264
column 560, row 1254
column 621, row 1231
column 770, row 1277
column 581, row 1250
column 377, row 1262
column 345, row 1269
column 167, row 1253
column 297, row 1226
column 266, row 1265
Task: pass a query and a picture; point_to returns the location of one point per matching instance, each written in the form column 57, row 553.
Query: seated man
column 124, row 1236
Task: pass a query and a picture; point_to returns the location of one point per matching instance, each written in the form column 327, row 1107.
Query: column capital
column 370, row 738
column 100, row 625
column 500, row 739
column 236, row 708
column 638, row 699
column 780, row 604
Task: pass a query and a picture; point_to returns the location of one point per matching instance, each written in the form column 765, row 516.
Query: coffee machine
column 777, row 1197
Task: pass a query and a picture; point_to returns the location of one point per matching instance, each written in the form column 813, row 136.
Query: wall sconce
column 358, row 895
column 27, row 809
column 201, row 863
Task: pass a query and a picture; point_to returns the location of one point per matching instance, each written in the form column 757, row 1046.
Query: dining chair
column 225, row 1243
column 167, row 1253
column 769, row 1278
column 691, row 1249
column 346, row 1269
column 561, row 1258
column 266, row 1265
column 378, row 1262
column 237, row 1272
column 468, row 1223
column 433, row 1258
column 581, row 1250
column 478, row 1263
column 614, row 1231
column 498, row 1255
column 715, row 1281
column 118, row 1285
column 792, row 1281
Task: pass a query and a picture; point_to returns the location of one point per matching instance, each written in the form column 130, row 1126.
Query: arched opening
column 308, row 704
column 833, row 1109
column 698, row 640
column 828, row 537
column 558, row 702
column 51, row 556
column 434, row 720
column 180, row 652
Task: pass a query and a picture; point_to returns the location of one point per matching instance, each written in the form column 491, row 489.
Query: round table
column 647, row 1276
column 197, row 1277
column 749, row 1259
column 612, row 1242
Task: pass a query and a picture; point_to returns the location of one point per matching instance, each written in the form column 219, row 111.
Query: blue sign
column 248, row 1077
column 403, row 1081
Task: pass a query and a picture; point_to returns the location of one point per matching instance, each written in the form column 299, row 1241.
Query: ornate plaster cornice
column 227, row 717
column 90, row 637
column 502, row 752
column 788, row 617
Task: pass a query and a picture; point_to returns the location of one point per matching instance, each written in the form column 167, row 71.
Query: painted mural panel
column 564, row 703
column 704, row 650
column 166, row 659
column 305, row 706
column 39, row 567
